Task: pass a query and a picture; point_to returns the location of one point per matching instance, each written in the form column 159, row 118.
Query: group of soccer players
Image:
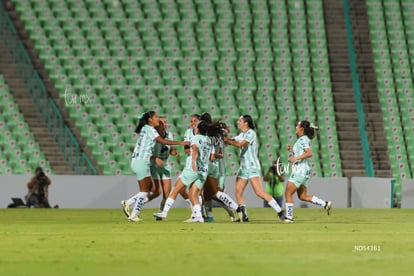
column 202, row 178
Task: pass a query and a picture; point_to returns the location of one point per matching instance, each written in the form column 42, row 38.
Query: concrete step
column 346, row 107
column 345, row 110
column 39, row 129
column 355, row 165
column 19, row 89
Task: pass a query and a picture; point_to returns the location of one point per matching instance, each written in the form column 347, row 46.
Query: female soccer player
column 190, row 132
column 195, row 171
column 214, row 185
column 249, row 166
column 301, row 170
column 161, row 169
column 140, row 163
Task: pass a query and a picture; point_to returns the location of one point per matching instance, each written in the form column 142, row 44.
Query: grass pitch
column 102, row 242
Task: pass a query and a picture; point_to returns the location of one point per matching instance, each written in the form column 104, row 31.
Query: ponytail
column 143, row 120
column 308, row 129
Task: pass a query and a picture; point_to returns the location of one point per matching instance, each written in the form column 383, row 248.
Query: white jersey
column 218, row 145
column 205, row 148
column 145, row 143
column 249, row 154
column 189, row 134
column 298, row 149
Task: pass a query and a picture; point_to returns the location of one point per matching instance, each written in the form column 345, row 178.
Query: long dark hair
column 308, row 130
column 249, row 120
column 143, row 120
column 214, row 129
column 205, row 116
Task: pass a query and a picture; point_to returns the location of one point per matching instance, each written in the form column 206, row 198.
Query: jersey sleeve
column 239, row 137
column 187, row 136
column 153, row 133
column 250, row 136
column 304, row 143
column 194, row 141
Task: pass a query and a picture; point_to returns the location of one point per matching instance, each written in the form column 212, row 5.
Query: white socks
column 133, row 199
column 318, row 201
column 289, row 206
column 142, row 198
column 197, row 211
column 272, row 203
column 289, row 210
column 226, row 199
column 168, row 204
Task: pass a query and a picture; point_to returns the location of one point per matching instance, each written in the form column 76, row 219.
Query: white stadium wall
column 72, row 191
column 407, row 193
column 371, row 192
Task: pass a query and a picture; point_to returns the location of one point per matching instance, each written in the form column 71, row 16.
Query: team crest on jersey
column 164, row 149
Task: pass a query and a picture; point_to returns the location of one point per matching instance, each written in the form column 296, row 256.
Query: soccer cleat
column 126, row 208
column 241, row 210
column 160, row 216
column 195, row 219
column 289, row 220
column 134, row 219
column 238, row 217
column 188, row 220
column 281, row 215
column 233, row 216
column 328, row 207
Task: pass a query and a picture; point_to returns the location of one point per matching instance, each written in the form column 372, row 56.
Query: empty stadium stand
column 268, row 59
column 21, row 153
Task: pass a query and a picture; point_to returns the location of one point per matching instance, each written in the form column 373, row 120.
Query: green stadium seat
column 174, row 49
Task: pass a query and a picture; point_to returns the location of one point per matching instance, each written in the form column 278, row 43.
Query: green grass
column 102, row 242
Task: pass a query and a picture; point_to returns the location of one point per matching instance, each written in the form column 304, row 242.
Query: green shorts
column 141, row 168
column 188, row 177
column 300, row 177
column 213, row 170
column 163, row 172
column 248, row 173
column 221, row 180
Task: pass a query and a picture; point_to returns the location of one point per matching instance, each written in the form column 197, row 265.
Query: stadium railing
column 45, row 105
column 369, row 169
